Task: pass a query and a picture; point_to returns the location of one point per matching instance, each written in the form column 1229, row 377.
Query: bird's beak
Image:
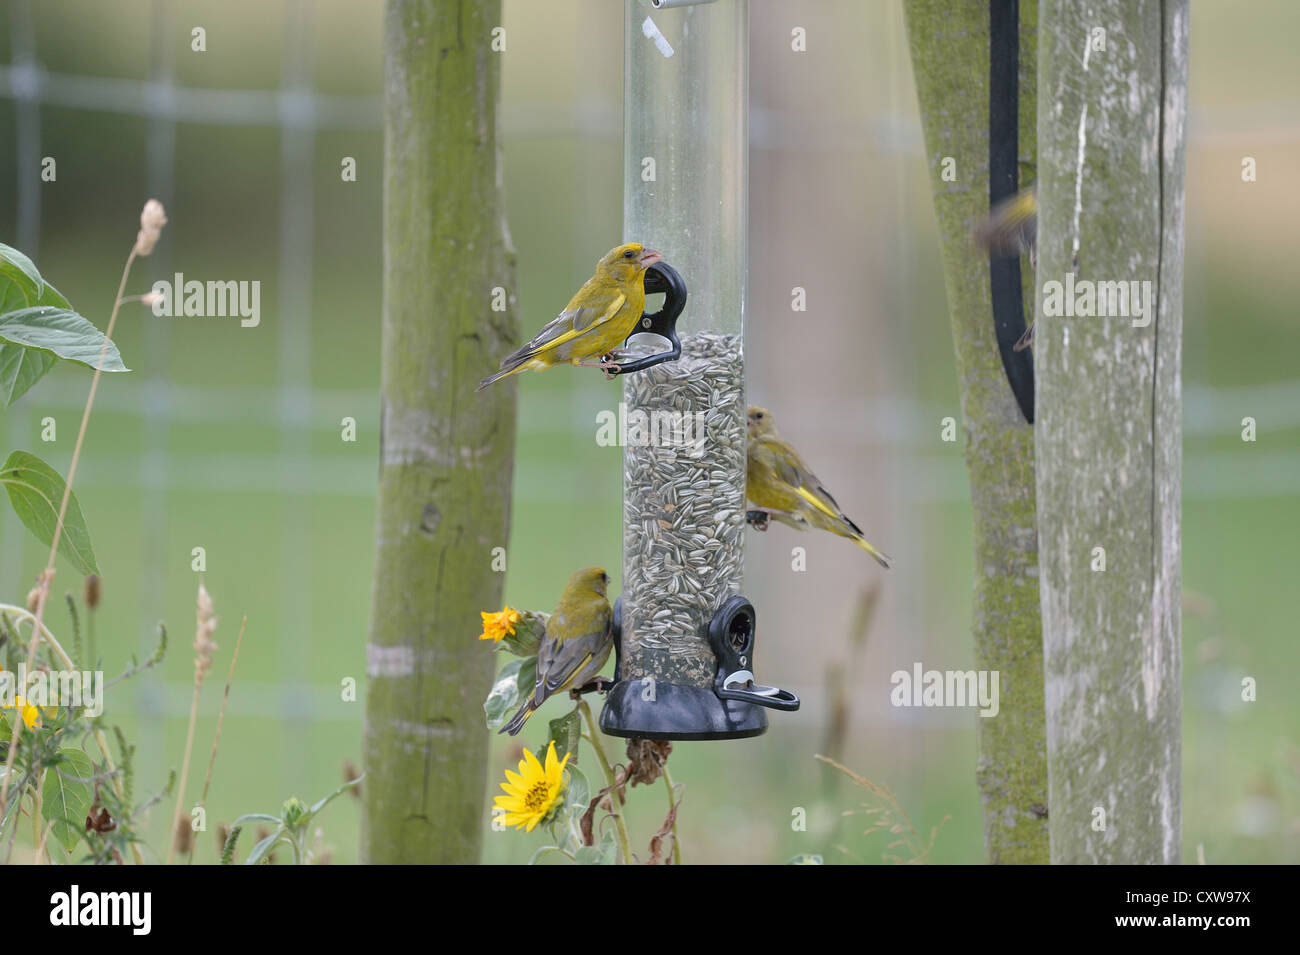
column 649, row 257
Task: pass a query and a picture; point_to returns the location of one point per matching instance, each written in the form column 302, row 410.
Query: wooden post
column 447, row 454
column 950, row 60
column 1113, row 78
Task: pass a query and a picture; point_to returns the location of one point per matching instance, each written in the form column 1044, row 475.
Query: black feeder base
column 678, row 712
column 732, row 708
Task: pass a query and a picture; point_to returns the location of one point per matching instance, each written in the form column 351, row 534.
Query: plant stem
column 221, row 715
column 616, row 800
column 672, row 801
column 38, row 800
column 185, row 767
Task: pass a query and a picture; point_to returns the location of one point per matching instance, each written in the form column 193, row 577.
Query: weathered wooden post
column 1113, row 81
column 446, row 454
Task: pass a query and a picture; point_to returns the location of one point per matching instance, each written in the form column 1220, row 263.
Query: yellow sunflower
column 497, row 625
column 533, row 791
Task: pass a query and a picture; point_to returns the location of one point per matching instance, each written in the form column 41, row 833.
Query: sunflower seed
column 683, row 507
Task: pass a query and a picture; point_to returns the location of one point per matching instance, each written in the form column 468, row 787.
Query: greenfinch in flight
column 578, row 638
column 1011, row 229
column 780, row 485
column 596, row 321
column 1012, row 226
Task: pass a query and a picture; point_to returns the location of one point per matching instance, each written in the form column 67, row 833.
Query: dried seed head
column 152, row 220
column 350, row 773
column 42, row 585
column 184, row 835
column 321, row 853
column 204, row 646
column 90, row 591
column 646, row 759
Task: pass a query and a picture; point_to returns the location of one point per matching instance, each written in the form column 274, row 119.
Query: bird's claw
column 757, row 519
column 602, row 684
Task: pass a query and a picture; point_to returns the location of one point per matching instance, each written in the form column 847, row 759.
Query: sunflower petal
column 534, row 768
column 550, row 760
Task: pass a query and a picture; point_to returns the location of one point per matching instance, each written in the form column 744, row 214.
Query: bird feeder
column 685, row 633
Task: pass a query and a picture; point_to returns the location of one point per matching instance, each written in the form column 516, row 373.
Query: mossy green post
column 447, row 454
column 1110, row 426
column 950, row 61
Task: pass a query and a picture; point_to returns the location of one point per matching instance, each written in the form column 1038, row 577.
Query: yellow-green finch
column 1012, row 226
column 1012, row 229
column 781, row 485
column 596, row 321
column 578, row 638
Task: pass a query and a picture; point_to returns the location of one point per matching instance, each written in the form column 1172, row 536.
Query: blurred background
column 229, row 438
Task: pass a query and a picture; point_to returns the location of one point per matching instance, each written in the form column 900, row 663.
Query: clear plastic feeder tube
column 686, row 90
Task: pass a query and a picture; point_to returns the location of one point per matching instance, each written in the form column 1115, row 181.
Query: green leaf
column 577, row 792
column 322, row 803
column 61, row 332
column 20, row 367
column 544, row 851
column 529, row 630
column 66, row 796
column 255, row 817
column 505, row 693
column 22, row 271
column 604, row 852
column 574, row 801
column 566, row 732
column 12, row 297
column 36, row 492
column 263, row 848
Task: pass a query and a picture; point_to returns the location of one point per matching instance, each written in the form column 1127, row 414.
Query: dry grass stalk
column 221, row 716
column 204, row 648
column 890, row 817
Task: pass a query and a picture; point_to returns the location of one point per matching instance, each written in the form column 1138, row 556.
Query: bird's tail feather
column 520, row 718
column 497, row 377
column 883, row 559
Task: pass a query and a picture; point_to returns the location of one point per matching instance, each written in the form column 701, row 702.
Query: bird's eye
column 630, row 254
column 759, row 416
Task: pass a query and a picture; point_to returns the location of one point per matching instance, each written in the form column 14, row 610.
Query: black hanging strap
column 1004, row 145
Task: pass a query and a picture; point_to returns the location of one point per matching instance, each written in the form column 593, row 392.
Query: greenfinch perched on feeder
column 596, row 321
column 1011, row 229
column 578, row 638
column 780, row 485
